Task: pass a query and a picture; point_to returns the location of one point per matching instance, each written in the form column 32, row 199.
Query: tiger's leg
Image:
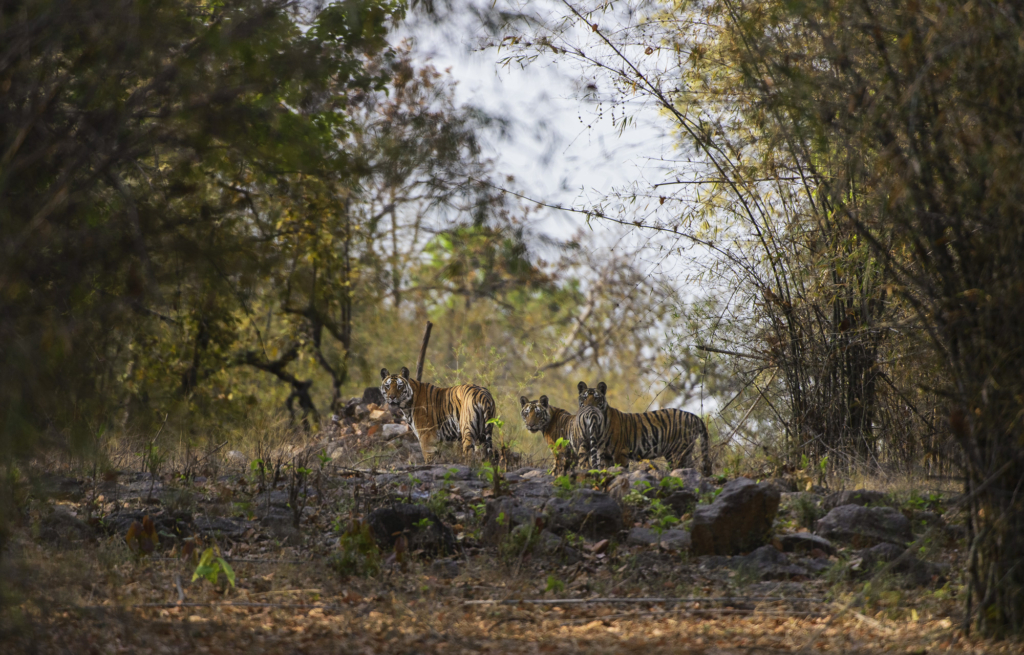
column 428, row 443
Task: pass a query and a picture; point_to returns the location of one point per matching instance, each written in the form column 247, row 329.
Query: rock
column 692, row 479
column 618, row 488
column 529, row 474
column 418, row 523
column 641, row 476
column 767, row 563
column 681, row 501
column 917, row 572
column 504, row 514
column 381, row 415
column 861, row 497
column 61, row 488
column 281, row 525
column 803, row 542
column 864, row 527
column 922, row 521
column 357, row 411
column 738, row 520
column 785, row 485
column 373, row 396
column 593, row 514
column 674, row 540
column 61, row 528
column 177, row 523
column 235, row 456
column 445, row 568
column 224, row 527
column 642, row 537
column 396, row 430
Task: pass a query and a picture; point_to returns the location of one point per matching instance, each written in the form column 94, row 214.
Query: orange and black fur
column 441, row 414
column 668, row 433
column 578, row 431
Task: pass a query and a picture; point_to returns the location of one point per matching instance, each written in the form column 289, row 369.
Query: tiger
column 668, row 433
column 580, row 431
column 442, row 413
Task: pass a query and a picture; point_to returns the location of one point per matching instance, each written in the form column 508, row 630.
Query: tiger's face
column 593, row 397
column 536, row 413
column 396, row 389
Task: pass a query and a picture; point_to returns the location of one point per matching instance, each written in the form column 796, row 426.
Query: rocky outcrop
column 862, row 497
column 593, row 514
column 864, row 527
column 417, row 523
column 739, row 520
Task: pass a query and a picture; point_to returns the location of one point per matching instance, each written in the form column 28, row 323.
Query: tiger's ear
column 523, row 401
column 384, row 373
column 405, row 373
column 544, row 401
column 582, row 386
column 603, row 388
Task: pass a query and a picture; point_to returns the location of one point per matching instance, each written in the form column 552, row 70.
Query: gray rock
column 767, row 563
column 60, row 528
column 641, row 537
column 739, row 520
column 862, row 497
column 594, row 514
column 864, row 527
column 422, row 527
column 281, row 525
column 804, row 542
column 372, row 395
column 675, row 540
column 504, row 514
column 681, row 501
column 445, row 568
column 922, row 521
column 391, row 431
column 917, row 572
column 225, row 527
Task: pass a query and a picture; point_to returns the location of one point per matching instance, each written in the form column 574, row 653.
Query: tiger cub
column 579, row 431
column 668, row 433
column 441, row 414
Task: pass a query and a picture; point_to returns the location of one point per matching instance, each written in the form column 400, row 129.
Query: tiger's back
column 668, row 433
column 442, row 414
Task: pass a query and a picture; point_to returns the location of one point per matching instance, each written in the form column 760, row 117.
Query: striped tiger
column 668, row 433
column 579, row 432
column 441, row 413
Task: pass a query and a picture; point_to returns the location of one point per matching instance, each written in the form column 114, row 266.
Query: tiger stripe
column 442, row 414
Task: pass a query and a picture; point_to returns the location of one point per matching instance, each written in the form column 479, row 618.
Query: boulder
column 803, row 542
column 372, row 396
column 681, row 501
column 60, row 527
column 692, row 480
column 739, row 520
column 642, row 537
column 593, row 514
column 395, row 431
column 768, row 563
column 862, row 497
column 418, row 523
column 504, row 514
column 917, row 572
column 675, row 540
column 864, row 527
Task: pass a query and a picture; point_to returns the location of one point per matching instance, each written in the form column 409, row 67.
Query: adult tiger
column 441, row 413
column 579, row 430
column 668, row 433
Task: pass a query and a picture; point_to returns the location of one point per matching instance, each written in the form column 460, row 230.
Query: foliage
column 357, row 551
column 211, row 565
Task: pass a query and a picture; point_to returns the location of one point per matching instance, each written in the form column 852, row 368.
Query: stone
column 381, row 415
column 60, row 528
column 641, row 537
column 691, row 478
column 422, row 527
column 396, row 430
column 862, row 497
column 504, row 514
column 921, row 521
column 864, row 527
column 917, row 572
column 768, row 563
column 593, row 514
column 803, row 542
column 618, row 488
column 445, row 568
column 739, row 520
column 529, row 474
column 681, row 501
column 675, row 540
column 236, row 456
column 373, row 396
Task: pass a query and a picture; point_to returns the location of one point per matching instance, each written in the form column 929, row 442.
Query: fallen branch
column 582, row 601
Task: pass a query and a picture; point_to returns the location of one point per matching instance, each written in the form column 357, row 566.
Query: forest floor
column 74, row 581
